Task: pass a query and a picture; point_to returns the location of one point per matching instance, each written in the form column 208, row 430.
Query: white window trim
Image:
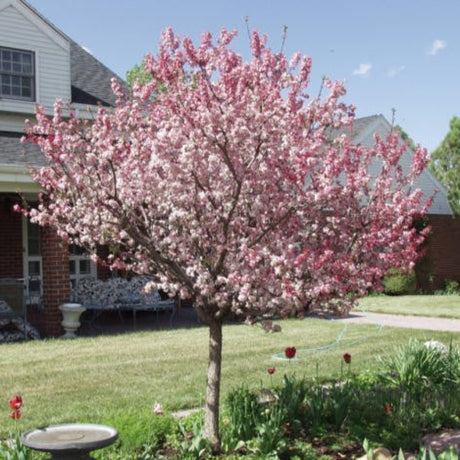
column 26, row 259
column 33, row 76
column 76, row 277
column 72, row 257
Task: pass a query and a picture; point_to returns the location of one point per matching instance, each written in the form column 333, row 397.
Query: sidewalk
column 410, row 322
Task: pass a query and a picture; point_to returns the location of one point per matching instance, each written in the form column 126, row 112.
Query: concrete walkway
column 410, row 322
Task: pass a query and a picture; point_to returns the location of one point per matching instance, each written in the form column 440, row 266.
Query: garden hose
column 282, row 357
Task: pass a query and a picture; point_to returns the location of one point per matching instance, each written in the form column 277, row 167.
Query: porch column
column 56, row 280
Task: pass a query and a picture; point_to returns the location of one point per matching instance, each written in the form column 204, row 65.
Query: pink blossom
column 231, row 186
column 158, row 409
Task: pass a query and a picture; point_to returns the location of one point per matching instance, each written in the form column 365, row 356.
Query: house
column 39, row 63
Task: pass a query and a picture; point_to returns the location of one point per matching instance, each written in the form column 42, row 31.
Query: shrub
column 242, row 414
column 425, row 386
column 398, row 282
column 265, row 420
column 451, row 287
column 420, row 366
column 139, row 429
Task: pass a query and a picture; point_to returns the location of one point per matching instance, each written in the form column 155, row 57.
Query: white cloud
column 393, row 71
column 363, row 70
column 436, row 46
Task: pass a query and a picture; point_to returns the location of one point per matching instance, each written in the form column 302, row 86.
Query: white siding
column 19, row 29
column 13, row 122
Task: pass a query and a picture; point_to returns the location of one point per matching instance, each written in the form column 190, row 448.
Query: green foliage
column 425, row 385
column 446, row 164
column 450, row 454
column 284, row 417
column 416, row 392
column 140, row 429
column 13, row 449
column 145, row 452
column 418, row 367
column 270, row 440
column 193, row 444
column 138, row 74
column 397, row 282
column 451, row 287
column 242, row 415
column 265, row 420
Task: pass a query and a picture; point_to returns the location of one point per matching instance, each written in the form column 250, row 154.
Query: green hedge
column 399, row 282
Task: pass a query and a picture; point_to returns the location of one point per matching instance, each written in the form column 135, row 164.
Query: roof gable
column 33, row 16
column 363, row 132
column 90, row 79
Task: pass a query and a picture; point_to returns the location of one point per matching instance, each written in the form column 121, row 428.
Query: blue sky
column 401, row 54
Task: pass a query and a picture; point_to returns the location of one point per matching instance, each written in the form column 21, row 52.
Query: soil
column 442, row 440
column 346, row 452
column 438, row 442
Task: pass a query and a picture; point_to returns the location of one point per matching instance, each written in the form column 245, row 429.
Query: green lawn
column 440, row 306
column 94, row 379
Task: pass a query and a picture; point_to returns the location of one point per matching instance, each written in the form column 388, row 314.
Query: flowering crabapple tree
column 221, row 179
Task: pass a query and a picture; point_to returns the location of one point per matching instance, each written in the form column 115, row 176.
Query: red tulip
column 16, row 402
column 388, row 407
column 290, row 352
column 347, row 358
column 16, row 414
column 271, row 370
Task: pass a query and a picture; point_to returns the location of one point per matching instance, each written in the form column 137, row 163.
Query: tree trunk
column 211, row 420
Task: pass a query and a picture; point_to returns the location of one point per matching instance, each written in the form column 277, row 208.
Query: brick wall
column 56, row 280
column 11, row 264
column 444, row 249
column 103, row 273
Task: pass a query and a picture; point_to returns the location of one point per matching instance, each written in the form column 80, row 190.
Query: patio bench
column 119, row 294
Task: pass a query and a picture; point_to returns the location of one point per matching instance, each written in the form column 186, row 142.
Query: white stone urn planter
column 71, row 318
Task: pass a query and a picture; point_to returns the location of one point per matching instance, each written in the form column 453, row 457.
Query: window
column 17, row 74
column 34, row 260
column 80, row 266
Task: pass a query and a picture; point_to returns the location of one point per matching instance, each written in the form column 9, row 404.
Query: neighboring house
column 442, row 260
column 39, row 63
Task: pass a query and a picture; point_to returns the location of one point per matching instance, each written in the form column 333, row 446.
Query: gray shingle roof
column 91, row 80
column 360, row 126
column 363, row 133
column 13, row 152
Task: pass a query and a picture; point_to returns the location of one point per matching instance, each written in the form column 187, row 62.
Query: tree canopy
column 223, row 180
column 445, row 164
column 138, row 74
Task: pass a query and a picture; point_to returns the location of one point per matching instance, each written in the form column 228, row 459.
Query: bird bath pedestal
column 71, row 441
column 71, row 318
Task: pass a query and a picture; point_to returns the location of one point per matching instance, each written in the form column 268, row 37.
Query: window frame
column 34, row 282
column 78, row 255
column 19, row 74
